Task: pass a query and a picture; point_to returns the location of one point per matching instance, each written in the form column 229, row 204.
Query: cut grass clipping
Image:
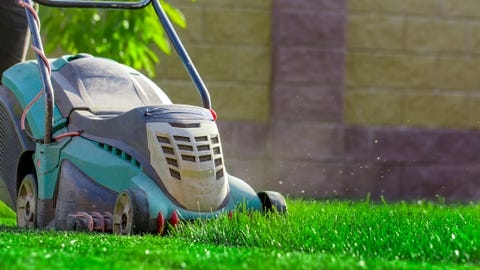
column 314, row 235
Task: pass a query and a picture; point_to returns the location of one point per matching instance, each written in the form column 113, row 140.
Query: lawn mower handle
column 167, row 25
column 182, row 53
column 162, row 16
column 94, row 4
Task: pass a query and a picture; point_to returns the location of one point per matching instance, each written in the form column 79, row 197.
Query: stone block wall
column 306, row 154
column 308, row 32
column 328, row 99
column 229, row 42
column 413, row 63
column 411, row 89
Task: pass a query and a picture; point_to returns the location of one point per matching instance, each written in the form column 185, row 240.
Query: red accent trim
column 160, row 224
column 214, row 114
column 174, row 219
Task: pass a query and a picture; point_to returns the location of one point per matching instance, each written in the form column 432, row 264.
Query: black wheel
column 273, row 202
column 130, row 215
column 27, row 202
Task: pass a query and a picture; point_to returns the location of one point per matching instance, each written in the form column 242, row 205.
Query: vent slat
column 219, row 174
column 162, row 139
column 205, row 158
column 175, row 174
column 205, row 147
column 167, row 150
column 172, row 162
column 201, row 139
column 185, row 125
column 185, row 147
column 188, row 158
column 182, row 138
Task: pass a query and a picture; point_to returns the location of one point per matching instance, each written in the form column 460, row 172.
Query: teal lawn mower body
column 111, row 152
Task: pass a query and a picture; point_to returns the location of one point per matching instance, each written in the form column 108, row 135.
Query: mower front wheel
column 27, row 202
column 130, row 215
column 273, row 201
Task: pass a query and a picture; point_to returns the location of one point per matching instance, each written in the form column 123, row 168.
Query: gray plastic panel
column 102, row 85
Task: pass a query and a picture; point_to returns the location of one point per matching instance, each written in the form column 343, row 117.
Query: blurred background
column 340, row 98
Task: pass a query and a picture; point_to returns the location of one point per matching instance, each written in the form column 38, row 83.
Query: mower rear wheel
column 27, row 202
column 130, row 215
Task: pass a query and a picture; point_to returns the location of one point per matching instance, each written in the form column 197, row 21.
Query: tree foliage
column 131, row 37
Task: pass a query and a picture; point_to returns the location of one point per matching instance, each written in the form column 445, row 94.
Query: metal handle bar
column 94, row 4
column 44, row 74
column 180, row 49
column 182, row 53
column 172, row 35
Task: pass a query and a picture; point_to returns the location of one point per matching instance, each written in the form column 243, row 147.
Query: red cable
column 47, row 64
column 27, row 108
column 68, row 134
column 44, row 58
column 32, row 11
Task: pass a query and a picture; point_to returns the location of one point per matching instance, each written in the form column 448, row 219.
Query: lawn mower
column 90, row 144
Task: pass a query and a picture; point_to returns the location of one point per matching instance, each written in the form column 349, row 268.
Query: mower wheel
column 273, row 202
column 130, row 215
column 27, row 202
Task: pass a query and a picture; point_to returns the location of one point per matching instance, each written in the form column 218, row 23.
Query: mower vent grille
column 186, row 150
column 120, row 154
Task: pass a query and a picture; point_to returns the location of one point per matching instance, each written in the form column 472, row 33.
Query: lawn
column 314, row 235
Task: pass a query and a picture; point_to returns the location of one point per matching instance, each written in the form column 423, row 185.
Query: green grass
column 7, row 216
column 314, row 235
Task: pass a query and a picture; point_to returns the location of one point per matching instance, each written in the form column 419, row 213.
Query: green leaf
column 126, row 36
column 175, row 15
